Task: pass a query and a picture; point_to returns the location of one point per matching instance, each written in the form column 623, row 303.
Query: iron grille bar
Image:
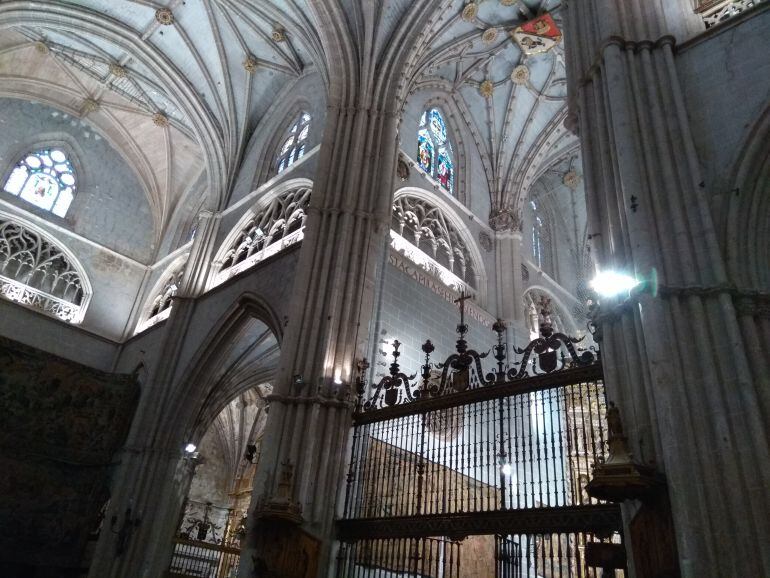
column 601, row 519
column 530, row 384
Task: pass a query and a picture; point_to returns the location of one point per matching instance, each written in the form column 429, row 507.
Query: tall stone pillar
column 153, row 475
column 675, row 360
column 302, row 461
column 509, row 283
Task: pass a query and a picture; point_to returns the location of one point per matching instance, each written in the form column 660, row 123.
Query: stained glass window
column 293, row 147
column 434, row 151
column 45, row 179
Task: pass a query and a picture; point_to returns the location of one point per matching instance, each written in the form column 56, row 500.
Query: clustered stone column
column 310, row 413
column 675, row 361
column 152, row 476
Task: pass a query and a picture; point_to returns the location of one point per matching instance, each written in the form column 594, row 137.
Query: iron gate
column 478, row 462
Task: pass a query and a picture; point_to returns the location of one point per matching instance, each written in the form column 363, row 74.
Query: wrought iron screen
column 560, row 555
column 462, row 453
column 203, row 560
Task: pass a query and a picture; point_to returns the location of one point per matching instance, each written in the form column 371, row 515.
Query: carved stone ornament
column 160, row 119
column 520, row 75
column 118, row 71
column 278, row 34
column 402, row 170
column 504, row 220
column 489, row 36
column 619, row 477
column 281, row 505
column 42, row 47
column 485, row 241
column 470, row 12
column 571, row 179
column 250, row 64
column 487, row 88
column 164, row 16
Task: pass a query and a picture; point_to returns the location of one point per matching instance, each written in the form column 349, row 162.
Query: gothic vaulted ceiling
column 511, row 97
column 177, row 86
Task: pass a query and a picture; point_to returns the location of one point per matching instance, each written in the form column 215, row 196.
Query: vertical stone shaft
column 332, row 303
column 152, row 478
column 676, row 362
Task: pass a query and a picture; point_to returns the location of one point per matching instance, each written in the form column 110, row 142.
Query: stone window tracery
column 44, row 178
column 434, row 151
column 162, row 300
column 37, row 273
column 293, row 147
column 418, row 224
column 274, row 228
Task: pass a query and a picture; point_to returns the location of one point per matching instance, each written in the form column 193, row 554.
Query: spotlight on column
column 338, row 381
column 507, row 470
column 190, row 448
column 612, row 283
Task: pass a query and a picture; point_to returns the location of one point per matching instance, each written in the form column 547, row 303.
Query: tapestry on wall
column 61, row 424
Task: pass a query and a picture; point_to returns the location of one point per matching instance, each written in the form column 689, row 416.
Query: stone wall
column 415, row 307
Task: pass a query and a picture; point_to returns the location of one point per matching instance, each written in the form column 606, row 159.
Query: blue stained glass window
column 425, row 151
column 46, row 179
column 434, row 151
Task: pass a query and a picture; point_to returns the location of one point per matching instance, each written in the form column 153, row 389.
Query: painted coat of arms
column 538, row 35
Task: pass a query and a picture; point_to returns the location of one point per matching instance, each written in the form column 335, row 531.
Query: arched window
column 37, row 273
column 541, row 240
column 293, row 147
column 434, row 151
column 272, row 229
column 44, row 178
column 442, row 251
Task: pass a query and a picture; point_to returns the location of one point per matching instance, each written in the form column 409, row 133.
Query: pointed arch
column 462, row 245
column 39, row 271
column 221, row 370
column 747, row 224
column 275, row 222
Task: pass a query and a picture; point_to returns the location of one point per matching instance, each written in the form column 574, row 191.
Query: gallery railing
column 458, row 452
column 715, row 12
column 197, row 559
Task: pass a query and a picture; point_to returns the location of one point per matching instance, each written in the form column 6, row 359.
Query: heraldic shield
column 538, row 35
